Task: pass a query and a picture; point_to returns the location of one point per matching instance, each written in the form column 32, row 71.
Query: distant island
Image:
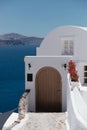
column 18, row 39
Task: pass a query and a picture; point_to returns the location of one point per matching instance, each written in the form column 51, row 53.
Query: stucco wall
column 83, row 91
column 23, row 124
column 77, row 109
column 52, row 44
column 80, row 67
column 37, row 62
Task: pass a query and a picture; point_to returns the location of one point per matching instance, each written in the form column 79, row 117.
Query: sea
column 12, row 74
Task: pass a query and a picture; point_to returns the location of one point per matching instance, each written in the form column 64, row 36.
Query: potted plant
column 73, row 74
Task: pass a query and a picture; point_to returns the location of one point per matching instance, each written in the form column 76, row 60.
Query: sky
column 38, row 17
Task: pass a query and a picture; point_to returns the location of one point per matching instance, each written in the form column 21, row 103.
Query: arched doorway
column 48, row 90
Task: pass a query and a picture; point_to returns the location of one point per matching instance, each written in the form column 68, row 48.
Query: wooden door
column 48, row 90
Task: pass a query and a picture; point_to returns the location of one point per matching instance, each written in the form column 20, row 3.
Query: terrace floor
column 47, row 121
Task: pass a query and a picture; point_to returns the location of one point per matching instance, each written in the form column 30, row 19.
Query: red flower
column 71, row 66
column 72, row 70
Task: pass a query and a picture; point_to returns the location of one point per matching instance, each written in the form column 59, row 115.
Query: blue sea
column 12, row 77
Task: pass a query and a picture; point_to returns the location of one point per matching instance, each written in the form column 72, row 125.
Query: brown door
column 48, row 90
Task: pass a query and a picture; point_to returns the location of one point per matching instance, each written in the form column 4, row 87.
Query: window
column 30, row 77
column 85, row 74
column 68, row 47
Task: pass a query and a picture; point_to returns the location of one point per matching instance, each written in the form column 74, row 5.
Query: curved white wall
column 23, row 124
column 77, row 109
column 52, row 44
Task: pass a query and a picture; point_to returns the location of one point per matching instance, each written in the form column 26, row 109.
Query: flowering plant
column 72, row 70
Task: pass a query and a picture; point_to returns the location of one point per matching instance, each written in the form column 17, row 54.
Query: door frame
column 41, row 69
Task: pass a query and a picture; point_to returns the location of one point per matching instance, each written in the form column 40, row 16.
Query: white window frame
column 85, row 74
column 68, row 47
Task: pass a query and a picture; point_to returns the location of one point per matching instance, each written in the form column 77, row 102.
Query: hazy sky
column 38, row 17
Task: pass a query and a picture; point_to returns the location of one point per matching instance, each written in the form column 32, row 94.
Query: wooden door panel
column 48, row 90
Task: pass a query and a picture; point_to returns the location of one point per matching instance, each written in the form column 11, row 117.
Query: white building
column 67, row 40
column 46, row 77
column 45, row 74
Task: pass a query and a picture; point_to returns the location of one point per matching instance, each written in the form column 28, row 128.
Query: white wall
column 52, row 44
column 13, row 117
column 83, row 91
column 37, row 62
column 77, row 109
column 80, row 68
column 23, row 124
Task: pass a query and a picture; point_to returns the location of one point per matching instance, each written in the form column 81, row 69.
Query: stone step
column 47, row 121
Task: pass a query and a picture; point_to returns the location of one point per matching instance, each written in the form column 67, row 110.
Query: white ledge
column 83, row 88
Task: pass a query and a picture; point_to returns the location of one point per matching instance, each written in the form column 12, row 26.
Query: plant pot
column 74, row 84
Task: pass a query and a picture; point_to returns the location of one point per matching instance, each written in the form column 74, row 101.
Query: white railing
column 76, row 108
